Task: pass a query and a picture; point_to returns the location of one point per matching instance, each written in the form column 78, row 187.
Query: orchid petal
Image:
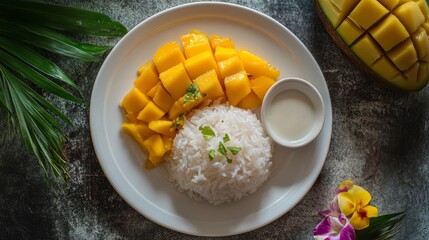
column 361, row 197
column 358, row 221
column 334, row 228
column 348, row 233
column 346, row 203
column 334, row 209
column 323, row 229
column 371, row 211
column 344, row 186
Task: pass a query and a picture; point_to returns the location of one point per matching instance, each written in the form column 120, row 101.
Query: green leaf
column 192, row 93
column 62, row 18
column 36, row 60
column 222, row 149
column 381, row 227
column 207, row 132
column 226, row 138
column 234, row 150
column 38, row 79
column 212, row 154
column 228, row 160
column 49, row 40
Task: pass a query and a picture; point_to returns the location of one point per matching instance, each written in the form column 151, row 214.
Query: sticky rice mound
column 216, row 180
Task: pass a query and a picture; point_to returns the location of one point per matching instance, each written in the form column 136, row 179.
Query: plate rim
column 114, row 182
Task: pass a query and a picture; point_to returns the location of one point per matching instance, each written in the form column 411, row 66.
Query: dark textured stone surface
column 379, row 140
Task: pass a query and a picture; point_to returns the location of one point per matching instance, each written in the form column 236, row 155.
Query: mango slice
column 387, row 39
column 167, row 56
column 257, row 66
column 134, row 102
column 209, row 84
column 237, row 87
column 251, row 101
column 150, row 112
column 230, row 66
column 194, row 43
column 148, row 77
column 175, row 80
column 218, row 41
column 201, row 63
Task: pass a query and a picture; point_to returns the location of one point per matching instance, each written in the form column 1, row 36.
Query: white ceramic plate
column 149, row 192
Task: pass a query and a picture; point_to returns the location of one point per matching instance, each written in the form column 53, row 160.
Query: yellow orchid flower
column 354, row 203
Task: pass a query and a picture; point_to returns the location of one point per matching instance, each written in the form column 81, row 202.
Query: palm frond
column 24, row 72
column 381, row 227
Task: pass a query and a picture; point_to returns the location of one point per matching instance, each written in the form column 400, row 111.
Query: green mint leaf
column 192, row 93
column 212, row 154
column 207, row 132
column 222, row 149
column 226, row 138
column 234, row 150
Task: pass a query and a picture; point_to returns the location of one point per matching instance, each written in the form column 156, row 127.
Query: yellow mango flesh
column 201, row 63
column 150, row 112
column 367, row 12
column 218, row 41
column 148, row 77
column 260, row 86
column 222, row 53
column 164, row 127
column 389, row 36
column 209, row 84
column 163, row 99
column 237, row 87
column 257, row 66
column 195, row 43
column 134, row 102
column 168, row 143
column 175, row 80
column 251, row 101
column 230, row 66
column 154, row 147
column 139, row 131
column 176, row 109
column 410, row 15
column 167, row 56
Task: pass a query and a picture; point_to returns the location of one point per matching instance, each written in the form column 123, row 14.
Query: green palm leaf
column 381, row 227
column 25, row 73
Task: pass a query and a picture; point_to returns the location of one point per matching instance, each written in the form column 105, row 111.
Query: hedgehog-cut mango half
column 387, row 39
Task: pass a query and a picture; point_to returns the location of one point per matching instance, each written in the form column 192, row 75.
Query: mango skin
column 397, row 34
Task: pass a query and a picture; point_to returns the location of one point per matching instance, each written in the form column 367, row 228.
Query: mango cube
column 251, row 101
column 368, row 12
column 331, row 11
column 164, row 127
column 201, row 63
column 218, row 41
column 410, row 15
column 257, row 66
column 367, row 50
column 209, row 84
column 154, row 147
column 423, row 72
column 134, row 102
column 421, row 42
column 175, row 80
column 404, row 55
column 349, row 31
column 150, row 113
column 230, row 66
column 163, row 99
column 168, row 143
column 237, row 87
column 176, row 109
column 385, row 68
column 151, row 93
column 345, row 5
column 222, row 53
column 148, row 77
column 139, row 131
column 195, row 43
column 260, row 86
column 382, row 33
column 423, row 6
column 412, row 73
column 389, row 4
column 167, row 56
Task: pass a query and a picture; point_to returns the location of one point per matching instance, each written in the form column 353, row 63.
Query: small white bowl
column 296, row 116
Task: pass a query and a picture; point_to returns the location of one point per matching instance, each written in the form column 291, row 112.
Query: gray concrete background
column 379, row 140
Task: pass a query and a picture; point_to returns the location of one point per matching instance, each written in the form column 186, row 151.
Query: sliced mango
column 349, row 31
column 175, row 80
column 367, row 50
column 164, row 127
column 194, row 43
column 382, row 33
column 230, row 66
column 201, row 63
column 218, row 41
column 260, row 86
column 421, row 42
column 237, row 87
column 154, row 147
column 251, row 101
column 139, row 131
column 167, row 56
column 368, row 12
column 410, row 15
column 209, row 84
column 404, row 55
column 222, row 53
column 257, row 66
column 148, row 77
column 134, row 102
column 150, row 112
column 163, row 99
